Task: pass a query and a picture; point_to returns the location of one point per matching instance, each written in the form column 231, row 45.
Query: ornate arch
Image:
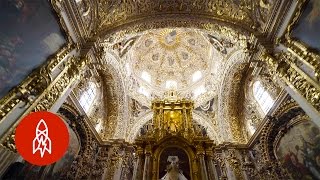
column 71, row 115
column 250, row 16
column 235, row 33
column 134, row 130
column 115, row 97
column 210, row 130
column 234, row 67
column 181, row 143
column 79, row 168
column 229, row 97
column 277, row 126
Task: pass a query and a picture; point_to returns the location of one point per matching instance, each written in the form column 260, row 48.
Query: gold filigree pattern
column 294, row 78
column 245, row 12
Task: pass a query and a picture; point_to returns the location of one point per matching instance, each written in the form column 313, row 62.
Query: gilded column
column 212, row 173
column 233, row 165
column 203, row 168
column 50, row 94
column 303, row 54
column 147, row 164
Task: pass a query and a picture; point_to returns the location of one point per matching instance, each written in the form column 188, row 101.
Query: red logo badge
column 42, row 138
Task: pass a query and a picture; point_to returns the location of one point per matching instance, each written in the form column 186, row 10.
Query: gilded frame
column 298, row 48
column 43, row 72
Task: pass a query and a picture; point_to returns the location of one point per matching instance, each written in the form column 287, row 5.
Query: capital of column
column 148, row 150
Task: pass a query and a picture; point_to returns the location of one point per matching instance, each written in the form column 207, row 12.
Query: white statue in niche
column 173, row 171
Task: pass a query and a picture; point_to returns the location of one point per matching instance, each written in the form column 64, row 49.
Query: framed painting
column 30, row 34
column 302, row 32
column 306, row 28
column 302, row 37
column 299, row 151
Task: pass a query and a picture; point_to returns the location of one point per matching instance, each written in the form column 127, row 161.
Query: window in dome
column 200, row 90
column 146, row 76
column 144, row 91
column 196, row 76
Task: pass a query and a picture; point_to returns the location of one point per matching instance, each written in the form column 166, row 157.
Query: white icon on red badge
column 42, row 138
column 42, row 141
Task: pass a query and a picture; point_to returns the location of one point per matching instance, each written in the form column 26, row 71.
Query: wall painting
column 299, row 151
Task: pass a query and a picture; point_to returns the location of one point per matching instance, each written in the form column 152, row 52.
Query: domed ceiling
column 171, row 59
column 197, row 64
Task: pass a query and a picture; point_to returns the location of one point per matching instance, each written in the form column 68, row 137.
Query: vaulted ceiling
column 201, row 49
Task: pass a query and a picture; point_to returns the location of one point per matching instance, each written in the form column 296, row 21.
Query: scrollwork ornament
column 289, row 74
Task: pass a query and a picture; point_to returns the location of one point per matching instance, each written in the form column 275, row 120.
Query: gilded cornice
column 119, row 33
column 249, row 14
column 277, row 18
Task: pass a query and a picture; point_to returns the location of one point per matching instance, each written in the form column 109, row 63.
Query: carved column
column 128, row 163
column 147, row 163
column 248, row 169
column 203, row 169
column 233, row 165
column 222, row 166
column 309, row 58
column 138, row 165
column 101, row 163
column 212, row 172
column 202, row 163
column 6, row 158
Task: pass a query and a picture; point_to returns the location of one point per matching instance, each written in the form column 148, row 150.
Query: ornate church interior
column 165, row 89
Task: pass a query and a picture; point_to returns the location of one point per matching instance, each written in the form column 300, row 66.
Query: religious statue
column 173, row 171
column 174, row 120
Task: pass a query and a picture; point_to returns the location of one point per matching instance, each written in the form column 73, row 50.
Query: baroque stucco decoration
column 133, row 132
column 250, row 14
column 229, row 95
column 225, row 38
column 229, row 50
column 171, row 54
column 115, row 98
